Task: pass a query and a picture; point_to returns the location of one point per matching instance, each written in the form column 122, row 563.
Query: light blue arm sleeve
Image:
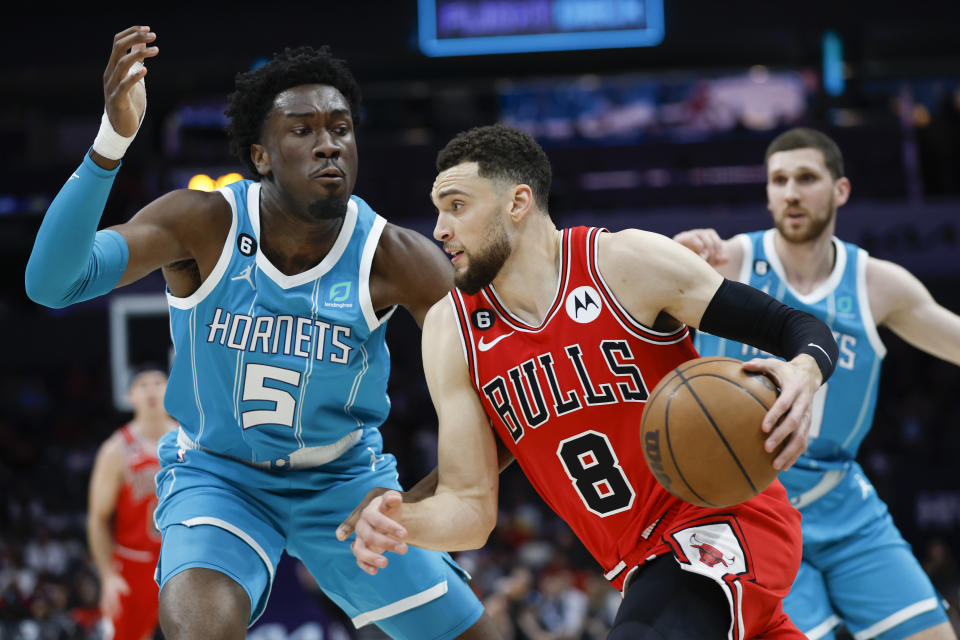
column 71, row 261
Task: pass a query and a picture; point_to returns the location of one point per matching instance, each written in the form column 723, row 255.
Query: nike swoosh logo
column 486, row 346
column 74, row 177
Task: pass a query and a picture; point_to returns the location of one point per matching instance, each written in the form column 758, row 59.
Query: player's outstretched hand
column 125, row 97
column 378, row 531
column 789, row 417
column 706, row 243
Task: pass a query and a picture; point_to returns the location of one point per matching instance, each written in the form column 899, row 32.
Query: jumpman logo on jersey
column 374, row 459
column 246, row 275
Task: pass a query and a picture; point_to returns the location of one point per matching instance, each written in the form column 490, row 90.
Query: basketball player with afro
column 553, row 339
column 279, row 290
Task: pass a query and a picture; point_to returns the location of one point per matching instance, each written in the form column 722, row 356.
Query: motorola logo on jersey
column 761, row 267
column 583, row 304
column 246, row 244
column 482, row 319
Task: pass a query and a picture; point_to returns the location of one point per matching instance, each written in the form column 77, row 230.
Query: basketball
column 701, row 432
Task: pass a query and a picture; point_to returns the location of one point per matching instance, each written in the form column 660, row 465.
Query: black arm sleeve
column 742, row 313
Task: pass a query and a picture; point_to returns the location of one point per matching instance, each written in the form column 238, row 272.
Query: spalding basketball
column 701, row 432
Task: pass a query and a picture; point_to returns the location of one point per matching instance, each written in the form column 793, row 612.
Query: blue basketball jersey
column 271, row 367
column 843, row 407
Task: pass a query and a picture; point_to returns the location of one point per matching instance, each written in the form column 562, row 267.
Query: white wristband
column 108, row 142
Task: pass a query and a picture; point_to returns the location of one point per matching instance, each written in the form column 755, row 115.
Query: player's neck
column 807, row 264
column 527, row 282
column 151, row 427
column 293, row 240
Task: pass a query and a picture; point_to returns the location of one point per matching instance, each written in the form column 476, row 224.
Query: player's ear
column 260, row 158
column 841, row 192
column 522, row 202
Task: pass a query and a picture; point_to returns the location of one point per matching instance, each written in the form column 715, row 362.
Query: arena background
column 664, row 138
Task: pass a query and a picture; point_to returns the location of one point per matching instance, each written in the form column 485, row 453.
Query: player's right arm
column 725, row 256
column 105, row 482
column 71, row 261
column 463, row 510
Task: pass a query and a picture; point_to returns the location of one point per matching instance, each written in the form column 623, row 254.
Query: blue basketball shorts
column 220, row 514
column 858, row 571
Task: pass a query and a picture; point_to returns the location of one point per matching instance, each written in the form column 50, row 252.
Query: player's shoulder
column 410, row 270
column 629, row 238
column 395, row 238
column 632, row 249
column 191, row 211
column 113, row 450
column 440, row 318
column 886, row 275
column 890, row 287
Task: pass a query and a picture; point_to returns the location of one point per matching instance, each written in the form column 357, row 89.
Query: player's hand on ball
column 706, row 243
column 125, row 97
column 378, row 531
column 789, row 418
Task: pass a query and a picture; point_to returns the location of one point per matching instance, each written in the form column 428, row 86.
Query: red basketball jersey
column 133, row 530
column 567, row 397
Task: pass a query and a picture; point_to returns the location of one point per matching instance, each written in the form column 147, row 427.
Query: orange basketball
column 701, row 432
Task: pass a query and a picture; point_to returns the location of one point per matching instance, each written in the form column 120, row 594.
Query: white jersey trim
column 226, row 255
column 900, row 616
column 633, row 326
column 135, row 555
column 400, row 606
column 563, row 285
column 460, row 332
column 746, row 261
column 243, row 535
column 329, row 261
column 823, row 628
column 366, row 265
column 828, row 285
column 866, row 315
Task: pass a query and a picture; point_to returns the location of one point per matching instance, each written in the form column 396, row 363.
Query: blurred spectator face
column 146, row 391
column 556, row 582
column 801, row 194
column 518, row 585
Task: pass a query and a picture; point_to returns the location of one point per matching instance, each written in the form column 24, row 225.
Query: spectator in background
column 560, row 611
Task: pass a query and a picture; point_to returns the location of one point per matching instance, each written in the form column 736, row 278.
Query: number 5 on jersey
column 254, row 388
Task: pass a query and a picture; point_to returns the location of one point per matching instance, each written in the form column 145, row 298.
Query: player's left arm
column 106, row 480
column 651, row 275
column 409, row 270
column 904, row 305
column 463, row 510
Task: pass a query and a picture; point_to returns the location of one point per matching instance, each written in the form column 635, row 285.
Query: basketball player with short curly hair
column 280, row 288
column 552, row 340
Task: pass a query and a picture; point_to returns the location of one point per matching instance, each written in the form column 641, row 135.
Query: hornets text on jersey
column 287, row 371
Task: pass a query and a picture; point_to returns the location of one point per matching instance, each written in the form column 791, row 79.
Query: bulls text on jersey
column 529, row 389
